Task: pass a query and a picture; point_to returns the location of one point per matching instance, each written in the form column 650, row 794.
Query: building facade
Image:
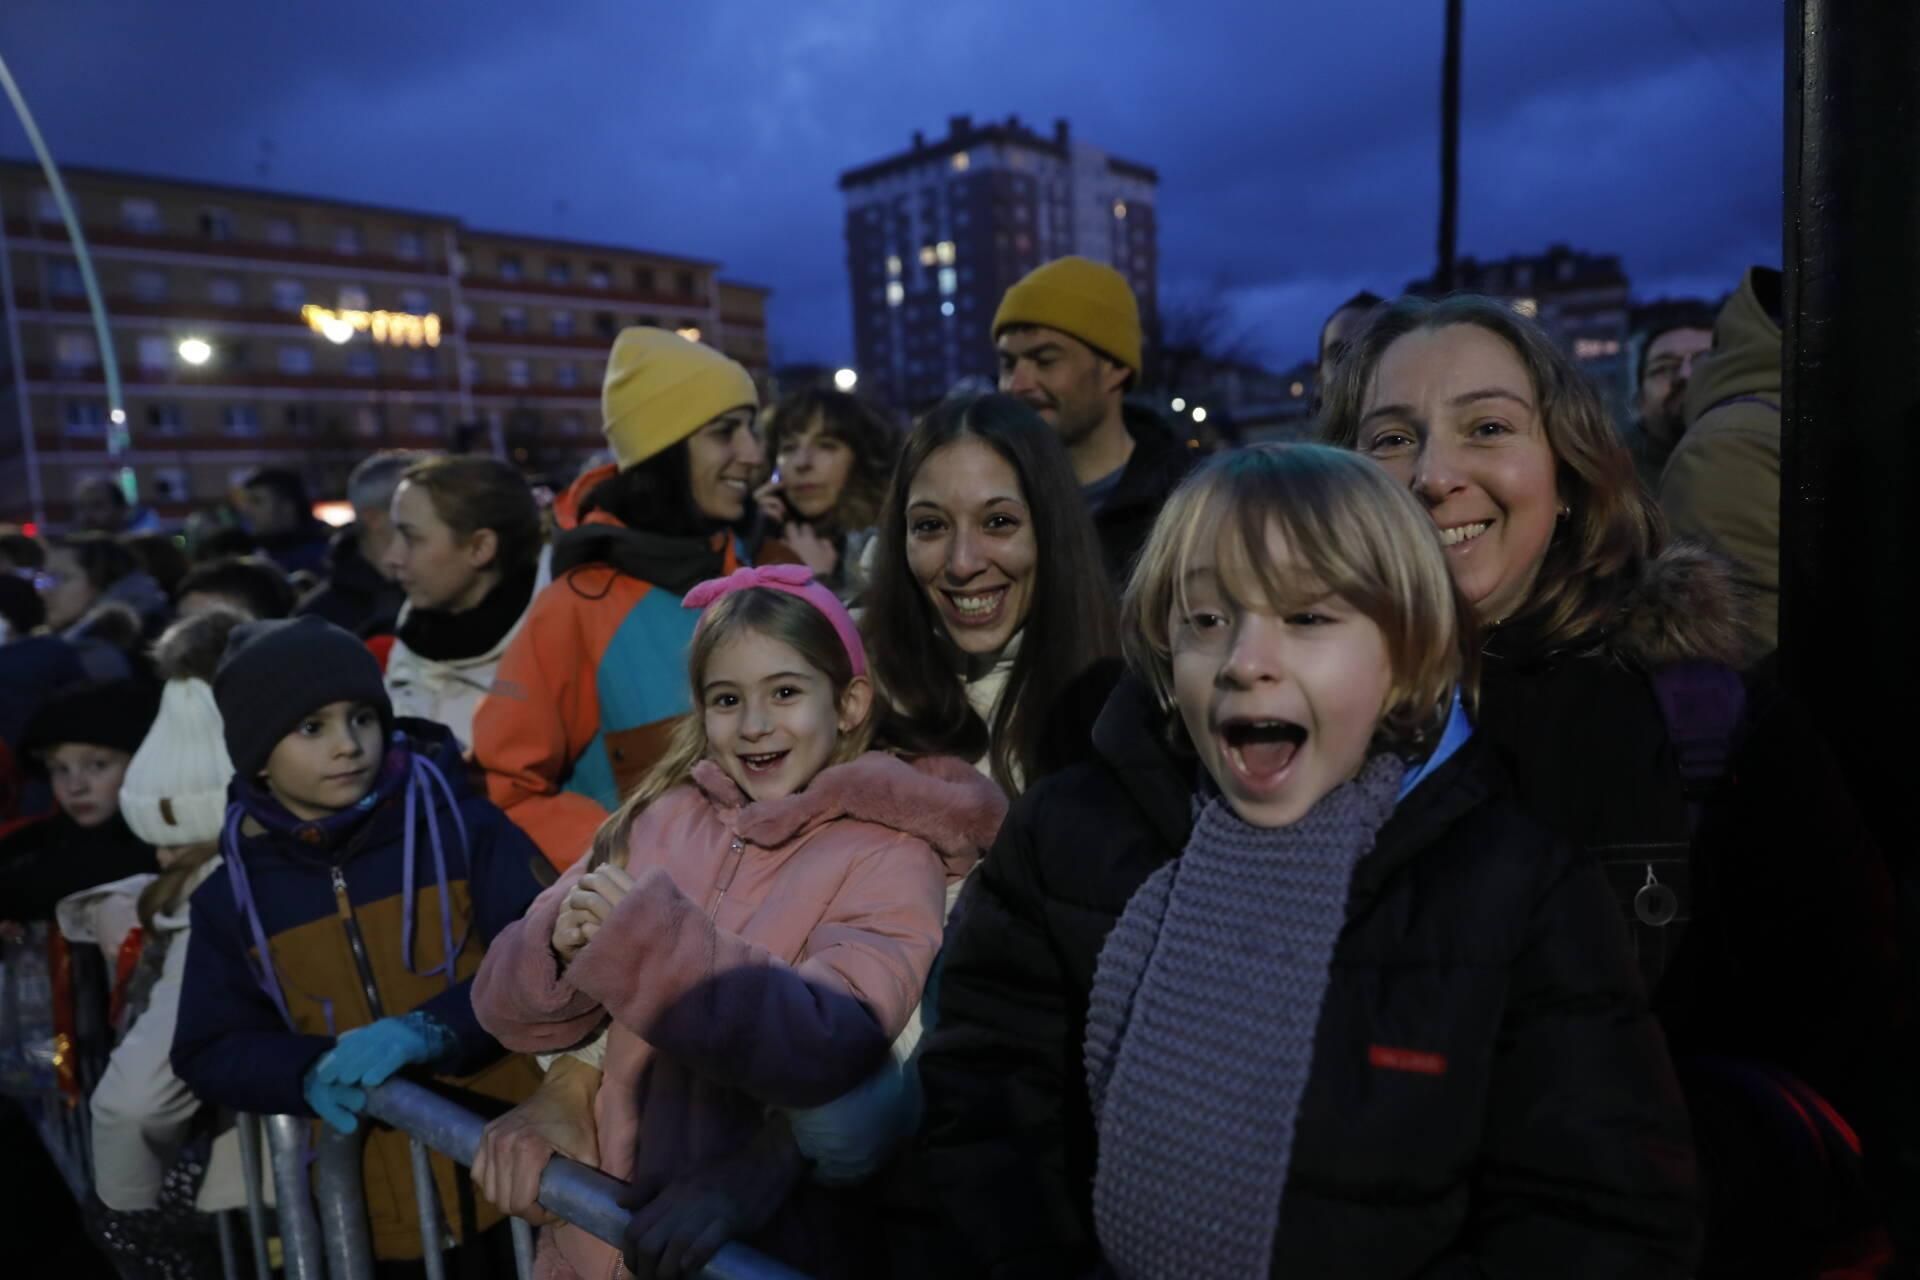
column 256, row 327
column 1581, row 299
column 936, row 235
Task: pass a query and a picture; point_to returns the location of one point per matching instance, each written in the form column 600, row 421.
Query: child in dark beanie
column 360, row 883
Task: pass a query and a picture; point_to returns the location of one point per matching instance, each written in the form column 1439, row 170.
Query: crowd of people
column 1013, row 846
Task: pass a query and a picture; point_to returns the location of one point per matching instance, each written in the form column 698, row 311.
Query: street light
column 1199, row 414
column 336, row 330
column 845, row 379
column 1179, row 405
column 196, row 351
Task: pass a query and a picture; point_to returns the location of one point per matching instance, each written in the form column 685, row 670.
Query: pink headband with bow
column 794, row 580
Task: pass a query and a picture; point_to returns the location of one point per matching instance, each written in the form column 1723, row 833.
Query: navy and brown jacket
column 334, row 922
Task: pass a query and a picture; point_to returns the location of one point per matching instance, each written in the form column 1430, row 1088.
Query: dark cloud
column 1297, row 144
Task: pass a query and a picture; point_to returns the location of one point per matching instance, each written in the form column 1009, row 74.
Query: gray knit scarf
column 1200, row 1031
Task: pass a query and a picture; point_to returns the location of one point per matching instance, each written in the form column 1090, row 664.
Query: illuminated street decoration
column 395, row 328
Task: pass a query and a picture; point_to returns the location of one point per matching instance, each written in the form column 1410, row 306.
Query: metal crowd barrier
column 323, row 1212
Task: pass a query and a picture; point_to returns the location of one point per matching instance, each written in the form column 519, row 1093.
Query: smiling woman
column 588, row 690
column 988, row 567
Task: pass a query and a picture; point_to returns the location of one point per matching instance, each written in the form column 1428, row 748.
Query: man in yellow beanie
column 1068, row 336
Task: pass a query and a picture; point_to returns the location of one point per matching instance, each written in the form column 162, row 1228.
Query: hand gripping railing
column 584, row 1197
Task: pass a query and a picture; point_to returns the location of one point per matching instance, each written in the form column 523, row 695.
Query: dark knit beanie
column 20, row 604
column 276, row 673
column 104, row 713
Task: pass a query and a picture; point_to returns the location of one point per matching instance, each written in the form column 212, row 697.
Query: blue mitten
column 366, row 1056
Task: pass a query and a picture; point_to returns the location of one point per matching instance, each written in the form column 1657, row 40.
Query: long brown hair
column 1073, row 622
column 776, row 615
column 871, row 439
column 1599, row 553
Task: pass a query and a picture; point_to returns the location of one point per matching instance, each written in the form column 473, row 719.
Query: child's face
column 86, row 781
column 771, row 716
column 329, row 761
column 1281, row 702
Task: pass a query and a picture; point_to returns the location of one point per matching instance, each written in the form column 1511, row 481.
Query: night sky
column 1296, row 143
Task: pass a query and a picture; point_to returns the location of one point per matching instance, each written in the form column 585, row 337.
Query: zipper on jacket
column 355, row 941
column 727, row 874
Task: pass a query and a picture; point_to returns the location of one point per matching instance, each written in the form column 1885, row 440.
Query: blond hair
column 1353, row 533
column 778, row 616
column 1600, row 551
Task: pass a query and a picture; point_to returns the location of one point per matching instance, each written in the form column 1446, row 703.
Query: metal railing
column 323, row 1216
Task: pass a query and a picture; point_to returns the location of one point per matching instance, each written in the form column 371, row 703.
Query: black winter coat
column 356, row 595
column 1550, row 1140
column 1159, row 463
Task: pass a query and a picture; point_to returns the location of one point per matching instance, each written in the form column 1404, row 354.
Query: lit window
column 139, row 215
column 599, row 276
column 893, row 264
column 566, row 375
column 1297, row 390
column 156, row 354
column 240, row 420
column 353, row 298
column 513, row 319
column 946, row 308
column 1120, row 208
column 74, row 353
column 689, row 332
column 289, row 295
column 409, row 245
column 944, row 252
column 509, row 267
column 949, row 280
column 1528, row 307
column 927, row 256
column 420, row 365
column 518, row 373
column 296, row 360
column 896, row 294
column 414, row 302
column 562, row 324
column 224, row 291
column 346, row 238
column 962, row 162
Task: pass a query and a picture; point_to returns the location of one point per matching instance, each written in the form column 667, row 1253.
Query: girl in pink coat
column 756, row 921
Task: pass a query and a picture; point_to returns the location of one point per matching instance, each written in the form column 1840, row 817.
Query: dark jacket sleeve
column 501, row 881
column 991, row 1187
column 1587, row 1165
column 230, row 1046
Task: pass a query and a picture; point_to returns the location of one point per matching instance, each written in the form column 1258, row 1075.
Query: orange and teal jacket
column 588, row 692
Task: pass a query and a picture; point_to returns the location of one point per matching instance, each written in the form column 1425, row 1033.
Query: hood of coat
column 1686, row 607
column 945, row 802
column 1746, row 358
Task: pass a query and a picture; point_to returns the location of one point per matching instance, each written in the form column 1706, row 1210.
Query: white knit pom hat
column 175, row 791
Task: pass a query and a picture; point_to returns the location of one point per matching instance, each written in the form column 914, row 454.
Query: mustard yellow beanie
column 661, row 388
column 1078, row 296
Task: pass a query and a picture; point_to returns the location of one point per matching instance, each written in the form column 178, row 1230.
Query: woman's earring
column 1565, row 511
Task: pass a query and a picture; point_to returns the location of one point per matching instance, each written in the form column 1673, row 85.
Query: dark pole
column 1850, row 442
column 1449, row 147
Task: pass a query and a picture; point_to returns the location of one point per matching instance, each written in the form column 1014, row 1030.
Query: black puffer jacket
column 1552, row 1142
column 1159, row 463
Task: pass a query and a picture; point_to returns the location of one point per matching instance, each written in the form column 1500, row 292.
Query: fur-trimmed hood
column 191, row 648
column 1686, row 607
column 946, row 802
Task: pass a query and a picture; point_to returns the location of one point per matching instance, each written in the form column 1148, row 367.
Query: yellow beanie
column 660, row 389
column 1078, row 296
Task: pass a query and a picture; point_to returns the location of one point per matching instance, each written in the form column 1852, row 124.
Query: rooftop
column 963, row 133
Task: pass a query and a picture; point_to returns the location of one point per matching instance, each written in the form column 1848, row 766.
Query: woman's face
column 65, row 590
column 813, row 470
column 1453, row 414
column 722, row 458
column 433, row 564
column 971, row 545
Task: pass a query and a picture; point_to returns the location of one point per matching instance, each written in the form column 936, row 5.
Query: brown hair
column 471, row 494
column 775, row 614
column 854, row 423
column 1354, row 533
column 1600, row 551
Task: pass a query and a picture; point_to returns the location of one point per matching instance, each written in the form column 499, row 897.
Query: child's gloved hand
column 366, row 1056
